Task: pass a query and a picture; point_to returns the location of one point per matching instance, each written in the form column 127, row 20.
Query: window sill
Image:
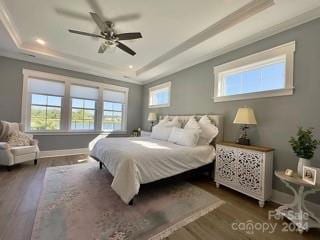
column 159, row 106
column 66, row 133
column 265, row 94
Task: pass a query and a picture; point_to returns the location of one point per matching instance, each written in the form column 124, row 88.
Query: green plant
column 304, row 144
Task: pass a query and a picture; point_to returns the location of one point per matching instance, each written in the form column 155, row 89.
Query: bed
column 135, row 161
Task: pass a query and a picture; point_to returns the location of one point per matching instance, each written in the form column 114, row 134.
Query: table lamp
column 244, row 117
column 152, row 117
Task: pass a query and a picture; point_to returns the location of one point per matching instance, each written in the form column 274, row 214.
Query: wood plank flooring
column 20, row 190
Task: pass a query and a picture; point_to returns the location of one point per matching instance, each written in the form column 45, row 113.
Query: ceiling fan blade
column 125, row 48
column 102, row 48
column 129, row 36
column 85, row 33
column 101, row 24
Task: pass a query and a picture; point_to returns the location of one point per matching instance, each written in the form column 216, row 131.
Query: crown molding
column 281, row 27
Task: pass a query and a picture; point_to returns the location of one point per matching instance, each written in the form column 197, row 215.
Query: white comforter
column 134, row 161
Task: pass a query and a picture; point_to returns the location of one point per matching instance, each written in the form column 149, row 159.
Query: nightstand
column 247, row 169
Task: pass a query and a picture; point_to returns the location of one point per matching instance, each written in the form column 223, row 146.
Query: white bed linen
column 134, row 161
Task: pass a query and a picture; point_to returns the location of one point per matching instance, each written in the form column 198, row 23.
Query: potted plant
column 304, row 146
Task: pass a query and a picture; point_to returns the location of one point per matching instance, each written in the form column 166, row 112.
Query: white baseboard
column 281, row 198
column 64, row 152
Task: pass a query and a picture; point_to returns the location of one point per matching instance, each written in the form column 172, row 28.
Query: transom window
column 265, row 74
column 159, row 96
column 54, row 103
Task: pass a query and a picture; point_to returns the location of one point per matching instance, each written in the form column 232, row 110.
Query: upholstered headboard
column 217, row 120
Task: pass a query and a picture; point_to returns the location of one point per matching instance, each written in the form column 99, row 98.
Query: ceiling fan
column 109, row 35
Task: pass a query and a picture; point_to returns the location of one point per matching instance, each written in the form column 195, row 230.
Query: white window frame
column 158, row 87
column 285, row 51
column 66, row 111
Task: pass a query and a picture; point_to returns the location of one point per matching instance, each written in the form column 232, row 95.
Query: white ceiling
column 176, row 33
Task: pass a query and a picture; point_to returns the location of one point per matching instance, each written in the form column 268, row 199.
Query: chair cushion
column 21, row 150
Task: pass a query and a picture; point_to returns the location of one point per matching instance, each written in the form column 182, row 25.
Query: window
column 46, row 104
column 159, row 96
column 264, row 74
column 113, row 108
column 83, row 105
column 54, row 104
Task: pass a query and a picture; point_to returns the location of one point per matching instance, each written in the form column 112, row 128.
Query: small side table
column 296, row 211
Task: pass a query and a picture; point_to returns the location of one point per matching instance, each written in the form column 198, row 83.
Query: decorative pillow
column 208, row 131
column 19, row 139
column 192, row 124
column 161, row 132
column 185, row 137
column 166, row 123
column 7, row 129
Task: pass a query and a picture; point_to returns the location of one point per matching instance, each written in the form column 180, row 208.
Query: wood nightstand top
column 249, row 147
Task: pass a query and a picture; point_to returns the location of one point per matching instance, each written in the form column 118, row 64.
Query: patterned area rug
column 77, row 202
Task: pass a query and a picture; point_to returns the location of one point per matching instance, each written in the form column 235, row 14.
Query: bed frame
column 207, row 169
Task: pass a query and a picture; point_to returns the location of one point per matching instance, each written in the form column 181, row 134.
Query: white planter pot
column 303, row 162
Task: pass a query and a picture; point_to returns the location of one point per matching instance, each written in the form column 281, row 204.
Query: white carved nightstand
column 247, row 169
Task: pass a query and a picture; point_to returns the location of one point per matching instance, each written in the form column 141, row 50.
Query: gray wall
column 278, row 117
column 11, row 81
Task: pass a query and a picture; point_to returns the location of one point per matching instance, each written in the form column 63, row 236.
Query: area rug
column 77, row 202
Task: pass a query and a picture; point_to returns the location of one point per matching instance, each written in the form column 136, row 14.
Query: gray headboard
column 216, row 119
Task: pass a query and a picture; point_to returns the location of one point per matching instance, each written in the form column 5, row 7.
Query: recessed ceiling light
column 130, row 66
column 40, row 41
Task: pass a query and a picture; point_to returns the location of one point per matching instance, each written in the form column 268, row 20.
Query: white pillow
column 161, row 132
column 208, row 131
column 184, row 137
column 192, row 123
column 166, row 123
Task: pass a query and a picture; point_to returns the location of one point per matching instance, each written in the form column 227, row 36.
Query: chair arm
column 4, row 146
column 34, row 142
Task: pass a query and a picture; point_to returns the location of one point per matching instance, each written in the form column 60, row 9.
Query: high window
column 264, row 74
column 159, row 96
column 54, row 103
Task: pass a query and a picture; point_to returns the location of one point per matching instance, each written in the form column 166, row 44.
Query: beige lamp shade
column 152, row 117
column 245, row 116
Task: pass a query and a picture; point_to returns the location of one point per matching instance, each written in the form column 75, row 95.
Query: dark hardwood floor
column 20, row 190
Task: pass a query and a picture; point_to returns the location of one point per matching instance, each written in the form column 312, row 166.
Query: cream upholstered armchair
column 12, row 153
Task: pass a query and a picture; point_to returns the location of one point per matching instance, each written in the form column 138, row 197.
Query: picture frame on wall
column 309, row 175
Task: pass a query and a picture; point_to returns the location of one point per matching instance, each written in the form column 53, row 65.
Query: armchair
column 11, row 155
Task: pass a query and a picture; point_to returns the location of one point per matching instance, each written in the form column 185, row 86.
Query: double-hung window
column 264, row 74
column 159, row 96
column 83, row 105
column 55, row 104
column 46, row 98
column 113, row 110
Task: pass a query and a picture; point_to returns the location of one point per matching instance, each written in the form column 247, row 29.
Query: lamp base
column 244, row 141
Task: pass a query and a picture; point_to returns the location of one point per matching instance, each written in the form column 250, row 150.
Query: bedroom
column 81, row 106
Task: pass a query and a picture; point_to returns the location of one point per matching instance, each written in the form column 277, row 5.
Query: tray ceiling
column 176, row 33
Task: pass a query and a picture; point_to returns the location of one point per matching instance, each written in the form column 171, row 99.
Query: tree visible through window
column 112, row 116
column 83, row 114
column 45, row 112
